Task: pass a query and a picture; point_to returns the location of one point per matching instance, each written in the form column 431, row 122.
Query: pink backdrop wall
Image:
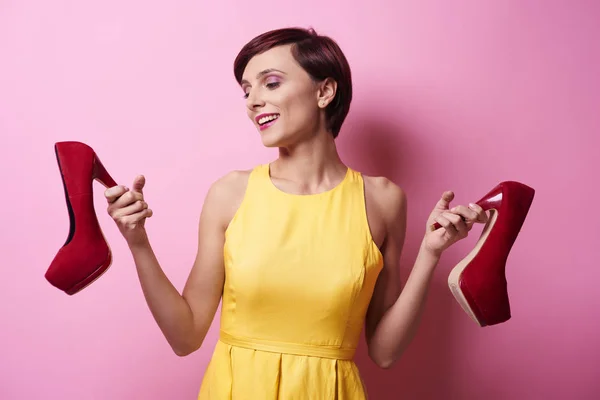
column 448, row 95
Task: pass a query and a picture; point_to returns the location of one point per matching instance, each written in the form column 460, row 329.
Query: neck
column 311, row 163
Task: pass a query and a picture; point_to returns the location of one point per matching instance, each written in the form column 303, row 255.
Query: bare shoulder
column 230, row 183
column 389, row 197
column 225, row 195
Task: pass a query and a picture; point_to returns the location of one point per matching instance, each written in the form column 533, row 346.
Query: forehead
column 279, row 57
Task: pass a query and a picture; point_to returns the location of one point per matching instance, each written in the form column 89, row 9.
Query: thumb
column 138, row 183
column 444, row 202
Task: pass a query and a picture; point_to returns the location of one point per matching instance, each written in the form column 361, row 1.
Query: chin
column 269, row 144
column 273, row 139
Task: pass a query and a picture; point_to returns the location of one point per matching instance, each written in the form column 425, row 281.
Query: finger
column 127, row 199
column 134, row 219
column 446, row 224
column 444, row 202
column 138, row 183
column 482, row 216
column 459, row 223
column 113, row 193
column 131, row 209
column 469, row 215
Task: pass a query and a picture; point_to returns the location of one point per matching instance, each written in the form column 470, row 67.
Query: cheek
column 301, row 117
column 297, row 104
column 297, row 110
column 300, row 106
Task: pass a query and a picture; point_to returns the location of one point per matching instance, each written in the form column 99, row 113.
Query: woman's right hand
column 129, row 210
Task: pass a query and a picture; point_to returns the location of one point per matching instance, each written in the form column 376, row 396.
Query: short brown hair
column 319, row 56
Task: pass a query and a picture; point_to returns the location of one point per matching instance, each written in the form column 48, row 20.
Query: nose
column 254, row 100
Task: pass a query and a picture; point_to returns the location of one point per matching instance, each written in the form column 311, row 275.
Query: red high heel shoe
column 478, row 282
column 85, row 256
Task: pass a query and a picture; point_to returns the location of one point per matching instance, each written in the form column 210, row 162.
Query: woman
column 302, row 251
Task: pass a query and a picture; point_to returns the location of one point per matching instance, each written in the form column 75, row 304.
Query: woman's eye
column 270, row 85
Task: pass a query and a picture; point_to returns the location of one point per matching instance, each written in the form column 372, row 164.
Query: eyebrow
column 262, row 73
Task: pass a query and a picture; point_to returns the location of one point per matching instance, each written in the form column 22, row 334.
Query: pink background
column 448, row 95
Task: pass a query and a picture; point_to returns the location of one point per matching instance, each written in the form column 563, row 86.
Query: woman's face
column 281, row 98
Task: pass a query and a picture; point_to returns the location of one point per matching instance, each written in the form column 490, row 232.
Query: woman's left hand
column 456, row 223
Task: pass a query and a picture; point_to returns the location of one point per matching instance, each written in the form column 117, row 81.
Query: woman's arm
column 394, row 313
column 184, row 318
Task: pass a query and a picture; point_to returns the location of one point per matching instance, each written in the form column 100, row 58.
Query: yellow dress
column 299, row 274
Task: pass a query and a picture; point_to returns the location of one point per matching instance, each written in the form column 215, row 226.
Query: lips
column 264, row 119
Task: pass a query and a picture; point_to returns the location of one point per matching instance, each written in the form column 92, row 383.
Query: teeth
column 268, row 118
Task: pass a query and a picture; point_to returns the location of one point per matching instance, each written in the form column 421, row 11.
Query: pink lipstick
column 266, row 120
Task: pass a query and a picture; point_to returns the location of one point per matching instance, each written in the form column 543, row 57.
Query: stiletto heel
column 478, row 282
column 101, row 175
column 85, row 255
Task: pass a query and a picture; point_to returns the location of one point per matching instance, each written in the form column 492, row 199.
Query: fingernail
column 471, row 205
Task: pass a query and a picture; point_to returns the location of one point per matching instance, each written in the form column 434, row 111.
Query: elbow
column 184, row 345
column 185, row 350
column 383, row 361
column 386, row 363
column 181, row 352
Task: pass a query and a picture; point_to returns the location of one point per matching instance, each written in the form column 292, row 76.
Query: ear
column 326, row 92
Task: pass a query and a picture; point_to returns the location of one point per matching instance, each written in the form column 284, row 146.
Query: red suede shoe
column 478, row 281
column 85, row 256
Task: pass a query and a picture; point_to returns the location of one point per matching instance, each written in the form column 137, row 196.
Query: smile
column 266, row 120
